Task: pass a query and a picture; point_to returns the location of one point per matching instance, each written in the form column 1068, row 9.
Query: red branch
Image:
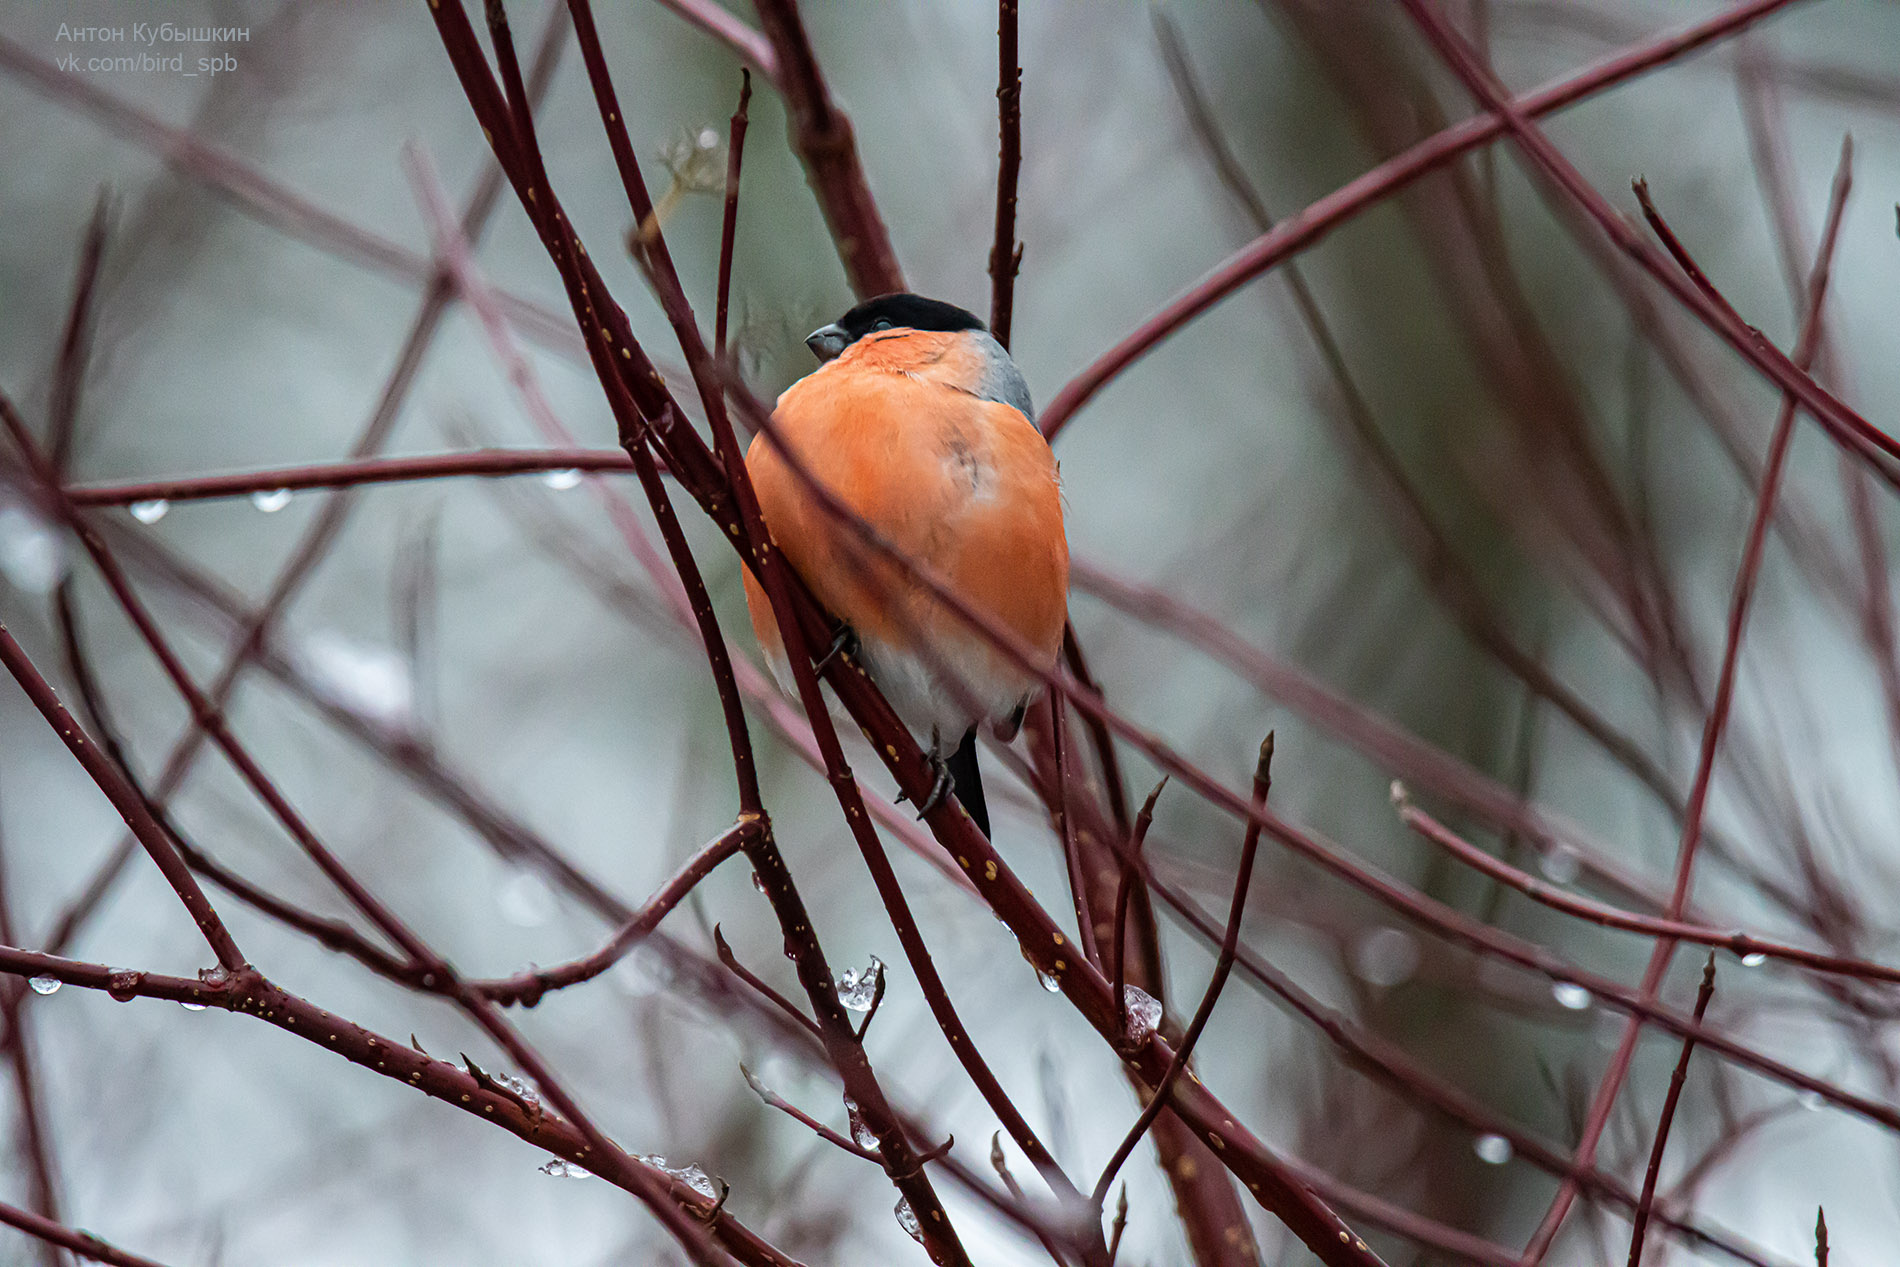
column 1306, row 227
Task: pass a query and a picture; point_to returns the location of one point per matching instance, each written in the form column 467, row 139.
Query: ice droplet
column 32, row 555
column 858, row 990
column 907, row 1219
column 1385, row 957
column 361, row 675
column 690, row 1175
column 517, row 1085
column 562, row 480
column 524, row 899
column 149, row 512
column 861, row 1135
column 123, row 984
column 214, row 976
column 1141, row 1014
column 1561, row 865
column 190, row 1006
column 1048, row 980
column 566, row 1170
column 271, row 500
column 1570, row 995
column 708, row 139
column 1754, row 959
column 45, row 985
column 1810, row 1100
column 758, row 882
column 1492, row 1150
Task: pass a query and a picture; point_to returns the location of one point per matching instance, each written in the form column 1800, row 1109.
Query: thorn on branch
column 1120, row 1225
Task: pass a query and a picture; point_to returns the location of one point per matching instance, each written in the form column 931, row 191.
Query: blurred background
column 1471, row 493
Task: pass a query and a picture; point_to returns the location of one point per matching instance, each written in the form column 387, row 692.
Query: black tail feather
column 969, row 782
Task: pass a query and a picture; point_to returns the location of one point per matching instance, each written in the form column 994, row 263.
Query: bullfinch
column 920, row 423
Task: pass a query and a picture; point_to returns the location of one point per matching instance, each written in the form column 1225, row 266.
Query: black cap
column 885, row 312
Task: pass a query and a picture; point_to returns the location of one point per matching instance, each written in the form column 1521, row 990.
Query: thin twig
column 1735, row 942
column 1131, row 868
column 729, row 221
column 1223, row 965
column 1306, row 227
column 1739, row 605
column 1006, row 256
column 52, row 1233
column 1703, row 994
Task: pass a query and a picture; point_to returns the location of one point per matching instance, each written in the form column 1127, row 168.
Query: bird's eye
column 882, row 324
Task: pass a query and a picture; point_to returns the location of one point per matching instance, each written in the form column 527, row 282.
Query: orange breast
column 965, row 487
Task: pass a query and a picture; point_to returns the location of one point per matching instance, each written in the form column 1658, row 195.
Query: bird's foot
column 844, row 643
column 940, row 786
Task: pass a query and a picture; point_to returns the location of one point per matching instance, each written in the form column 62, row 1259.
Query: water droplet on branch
column 361, row 675
column 1561, row 865
column 1141, row 1014
column 32, row 554
column 45, row 985
column 1385, row 957
column 858, row 989
column 149, row 512
column 907, row 1219
column 861, row 1135
column 1492, row 1150
column 271, row 500
column 1570, row 995
column 562, row 480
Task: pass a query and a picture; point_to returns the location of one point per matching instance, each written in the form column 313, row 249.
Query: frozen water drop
column 1561, row 865
column 1754, row 959
column 858, row 990
column 861, row 1134
column 1810, row 1100
column 123, row 984
column 907, row 1219
column 1385, row 957
column 758, row 882
column 32, row 555
column 271, row 500
column 1049, row 981
column 517, row 1085
column 525, row 900
column 45, row 985
column 1492, row 1150
column 1141, row 1014
column 213, row 976
column 690, row 1175
column 696, row 1179
column 1570, row 995
column 566, row 1170
column 190, row 1006
column 149, row 512
column 708, row 139
column 562, row 480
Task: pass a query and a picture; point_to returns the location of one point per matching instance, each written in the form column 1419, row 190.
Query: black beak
column 827, row 341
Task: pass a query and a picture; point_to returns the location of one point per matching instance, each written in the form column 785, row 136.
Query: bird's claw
column 940, row 786
column 844, row 643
